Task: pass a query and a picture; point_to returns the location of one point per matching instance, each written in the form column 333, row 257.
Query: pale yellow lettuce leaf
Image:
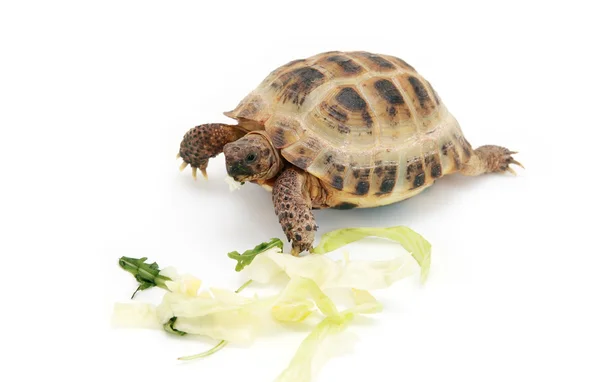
column 271, row 263
column 415, row 244
column 302, row 366
column 181, row 305
column 135, row 315
column 371, row 275
column 327, row 273
column 292, row 311
column 314, row 350
column 185, row 284
column 364, row 303
column 240, row 326
column 218, row 313
column 232, row 183
column 299, row 298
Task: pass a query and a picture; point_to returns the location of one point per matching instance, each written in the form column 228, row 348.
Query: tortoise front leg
column 206, row 141
column 294, row 208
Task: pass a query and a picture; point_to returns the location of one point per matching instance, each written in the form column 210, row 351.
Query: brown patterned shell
column 367, row 125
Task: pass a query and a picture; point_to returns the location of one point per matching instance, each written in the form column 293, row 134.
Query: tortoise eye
column 250, row 158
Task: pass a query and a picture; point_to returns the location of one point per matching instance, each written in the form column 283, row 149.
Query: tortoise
column 340, row 130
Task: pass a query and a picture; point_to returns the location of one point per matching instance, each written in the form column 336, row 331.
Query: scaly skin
column 488, row 159
column 206, row 141
column 293, row 205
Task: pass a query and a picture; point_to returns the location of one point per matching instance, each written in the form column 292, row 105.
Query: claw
column 183, row 166
column 517, row 163
column 194, row 170
column 204, row 174
column 510, row 160
column 178, row 156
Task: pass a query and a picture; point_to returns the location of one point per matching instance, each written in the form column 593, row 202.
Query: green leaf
column 168, row 326
column 211, row 351
column 146, row 274
column 246, row 258
column 244, row 285
column 419, row 248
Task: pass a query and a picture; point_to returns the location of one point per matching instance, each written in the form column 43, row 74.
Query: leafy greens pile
column 228, row 316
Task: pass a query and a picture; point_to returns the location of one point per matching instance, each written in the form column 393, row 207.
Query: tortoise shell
column 371, row 128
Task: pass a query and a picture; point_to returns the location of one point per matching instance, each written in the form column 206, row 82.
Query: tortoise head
column 252, row 157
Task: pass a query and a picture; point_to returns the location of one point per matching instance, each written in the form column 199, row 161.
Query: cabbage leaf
column 303, row 366
column 327, row 273
column 415, row 244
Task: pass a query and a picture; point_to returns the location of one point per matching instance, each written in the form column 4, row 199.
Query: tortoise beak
column 237, row 170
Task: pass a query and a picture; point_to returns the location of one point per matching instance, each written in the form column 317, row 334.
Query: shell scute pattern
column 391, row 111
column 342, row 119
column 340, row 65
column 375, row 62
column 296, row 84
column 365, row 124
column 303, row 152
column 283, row 130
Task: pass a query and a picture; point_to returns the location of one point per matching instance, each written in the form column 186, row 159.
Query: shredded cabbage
column 217, row 313
column 364, row 303
column 303, row 366
column 230, row 317
column 135, row 315
column 186, row 284
column 327, row 273
column 233, row 185
column 298, row 300
column 419, row 248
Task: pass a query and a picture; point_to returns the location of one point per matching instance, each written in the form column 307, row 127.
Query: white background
column 96, row 96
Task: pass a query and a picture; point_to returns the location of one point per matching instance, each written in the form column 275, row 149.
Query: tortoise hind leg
column 206, row 141
column 293, row 205
column 488, row 159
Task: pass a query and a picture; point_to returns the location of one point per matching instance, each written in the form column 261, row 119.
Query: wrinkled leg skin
column 293, row 206
column 206, row 141
column 488, row 159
